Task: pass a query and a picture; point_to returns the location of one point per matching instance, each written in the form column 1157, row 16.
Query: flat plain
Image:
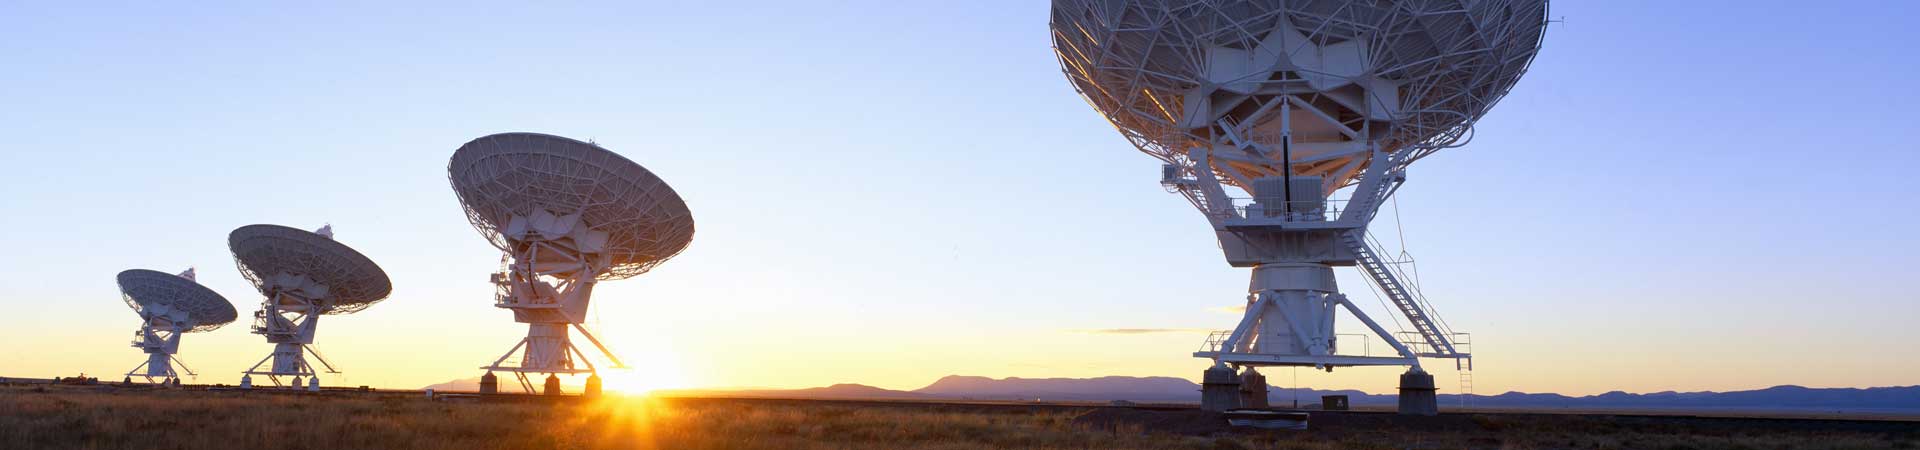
column 108, row 417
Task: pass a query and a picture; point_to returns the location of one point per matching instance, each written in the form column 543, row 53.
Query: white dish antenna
column 567, row 214
column 169, row 306
column 1287, row 102
column 1332, row 82
column 302, row 275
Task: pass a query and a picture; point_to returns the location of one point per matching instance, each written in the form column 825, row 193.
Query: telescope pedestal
column 289, row 322
column 548, row 285
column 159, row 343
column 549, row 350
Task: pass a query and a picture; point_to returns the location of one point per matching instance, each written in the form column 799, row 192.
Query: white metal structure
column 303, row 275
column 169, row 306
column 1292, row 102
column 568, row 215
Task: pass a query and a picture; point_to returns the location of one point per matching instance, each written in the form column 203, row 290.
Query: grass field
column 109, row 418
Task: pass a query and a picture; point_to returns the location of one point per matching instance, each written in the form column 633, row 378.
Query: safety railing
column 1296, row 211
column 1342, row 344
column 1411, row 281
column 1462, row 343
column 1214, row 340
column 259, row 322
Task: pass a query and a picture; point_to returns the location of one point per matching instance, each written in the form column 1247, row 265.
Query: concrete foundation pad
column 1417, row 395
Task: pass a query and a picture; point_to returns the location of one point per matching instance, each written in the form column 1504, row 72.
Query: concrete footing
column 489, row 384
column 553, row 385
column 1253, row 389
column 1219, row 389
column 593, row 386
column 1417, row 395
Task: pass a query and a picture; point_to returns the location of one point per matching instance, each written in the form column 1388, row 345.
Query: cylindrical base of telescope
column 593, row 386
column 159, row 365
column 1418, row 397
column 552, row 385
column 547, row 347
column 289, row 358
column 1219, row 389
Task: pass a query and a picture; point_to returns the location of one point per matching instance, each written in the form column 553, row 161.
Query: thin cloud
column 1141, row 330
column 1235, row 309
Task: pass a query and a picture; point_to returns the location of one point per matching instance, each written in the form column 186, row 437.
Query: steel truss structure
column 1292, row 102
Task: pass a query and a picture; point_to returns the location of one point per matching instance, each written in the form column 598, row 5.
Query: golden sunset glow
column 651, row 366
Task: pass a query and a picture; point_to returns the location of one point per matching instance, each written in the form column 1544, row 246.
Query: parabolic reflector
column 274, row 256
column 182, row 301
column 1400, row 75
column 516, row 184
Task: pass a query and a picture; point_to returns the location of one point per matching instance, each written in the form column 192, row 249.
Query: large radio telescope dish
column 151, row 292
column 1292, row 100
column 537, row 177
column 1408, row 76
column 352, row 282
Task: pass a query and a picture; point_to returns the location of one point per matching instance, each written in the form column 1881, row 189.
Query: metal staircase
column 1176, row 179
column 1408, row 300
column 1368, row 195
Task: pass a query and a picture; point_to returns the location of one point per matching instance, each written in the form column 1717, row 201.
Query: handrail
column 1462, row 342
column 1412, row 284
column 1217, row 338
column 1303, row 211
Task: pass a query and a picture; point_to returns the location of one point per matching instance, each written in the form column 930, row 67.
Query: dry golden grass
column 105, row 418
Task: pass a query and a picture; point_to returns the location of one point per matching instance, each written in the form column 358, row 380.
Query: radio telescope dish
column 169, row 306
column 513, row 185
column 302, row 275
column 1403, row 77
column 567, row 214
column 1290, row 101
column 351, row 281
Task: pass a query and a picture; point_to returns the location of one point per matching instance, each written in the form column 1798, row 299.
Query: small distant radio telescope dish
column 169, row 306
column 1290, row 102
column 567, row 214
column 303, row 275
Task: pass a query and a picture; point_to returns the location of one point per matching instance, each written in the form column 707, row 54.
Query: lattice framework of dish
column 353, row 281
column 1410, row 75
column 503, row 175
column 207, row 309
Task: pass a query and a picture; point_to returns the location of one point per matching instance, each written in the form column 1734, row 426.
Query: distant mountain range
column 1904, row 399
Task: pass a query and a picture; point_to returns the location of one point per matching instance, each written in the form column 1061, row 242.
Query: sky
column 1710, row 195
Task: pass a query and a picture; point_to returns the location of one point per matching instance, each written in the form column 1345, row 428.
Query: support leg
column 603, row 349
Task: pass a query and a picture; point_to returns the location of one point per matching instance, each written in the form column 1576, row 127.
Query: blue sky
column 1714, row 195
